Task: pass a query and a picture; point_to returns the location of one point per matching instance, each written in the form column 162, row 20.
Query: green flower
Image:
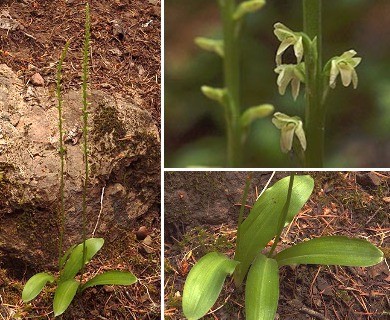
column 290, row 73
column 344, row 65
column 288, row 126
column 288, row 38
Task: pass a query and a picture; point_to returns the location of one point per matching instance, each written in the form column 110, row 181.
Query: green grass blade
column 112, row 277
column 332, row 250
column 74, row 263
column 64, row 295
column 204, row 283
column 262, row 223
column 262, row 289
column 35, row 285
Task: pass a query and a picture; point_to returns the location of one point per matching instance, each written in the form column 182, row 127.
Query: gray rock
column 124, row 158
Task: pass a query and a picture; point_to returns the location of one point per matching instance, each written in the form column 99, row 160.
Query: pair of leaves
column 262, row 285
column 67, row 285
column 205, row 280
column 67, row 290
column 73, row 265
column 262, row 222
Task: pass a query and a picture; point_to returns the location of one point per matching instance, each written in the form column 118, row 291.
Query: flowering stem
column 86, row 50
column 62, row 152
column 232, row 81
column 314, row 110
column 283, row 215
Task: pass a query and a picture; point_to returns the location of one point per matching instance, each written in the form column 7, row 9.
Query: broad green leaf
column 74, row 263
column 66, row 255
column 331, row 250
column 204, row 283
column 35, row 284
column 110, row 278
column 64, row 295
column 262, row 289
column 262, row 222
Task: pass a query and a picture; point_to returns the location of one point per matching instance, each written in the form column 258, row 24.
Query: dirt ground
column 341, row 204
column 125, row 42
column 125, row 59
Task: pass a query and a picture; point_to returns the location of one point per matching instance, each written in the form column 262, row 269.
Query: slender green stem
column 283, row 216
column 62, row 153
column 231, row 29
column 243, row 203
column 314, row 111
column 86, row 50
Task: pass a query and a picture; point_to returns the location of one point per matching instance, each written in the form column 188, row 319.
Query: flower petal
column 298, row 49
column 300, row 133
column 295, row 84
column 282, row 32
column 354, row 78
column 334, row 72
column 286, row 137
column 346, row 73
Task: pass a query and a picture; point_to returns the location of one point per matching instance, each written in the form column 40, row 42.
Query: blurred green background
column 358, row 121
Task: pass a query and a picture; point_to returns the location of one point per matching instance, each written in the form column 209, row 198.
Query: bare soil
column 125, row 60
column 125, row 42
column 339, row 205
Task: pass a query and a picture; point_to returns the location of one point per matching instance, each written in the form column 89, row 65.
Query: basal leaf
column 262, row 222
column 112, row 277
column 262, row 289
column 64, row 295
column 74, row 263
column 66, row 255
column 332, row 250
column 204, row 283
column 35, row 285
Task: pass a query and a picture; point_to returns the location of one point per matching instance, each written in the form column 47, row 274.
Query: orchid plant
column 307, row 47
column 71, row 264
column 273, row 210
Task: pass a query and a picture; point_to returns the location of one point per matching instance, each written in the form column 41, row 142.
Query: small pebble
column 141, row 233
column 37, row 80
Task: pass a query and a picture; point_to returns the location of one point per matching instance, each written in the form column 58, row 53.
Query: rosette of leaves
column 66, row 282
column 274, row 210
